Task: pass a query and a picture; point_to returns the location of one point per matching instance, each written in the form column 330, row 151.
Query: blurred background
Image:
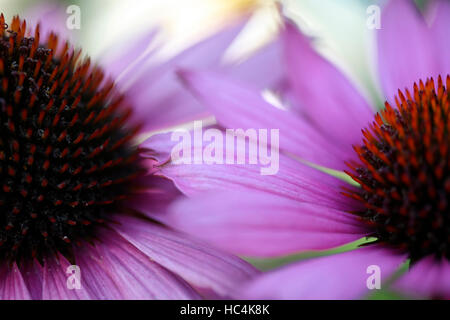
column 339, row 26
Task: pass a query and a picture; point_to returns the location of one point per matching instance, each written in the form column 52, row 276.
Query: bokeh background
column 338, row 25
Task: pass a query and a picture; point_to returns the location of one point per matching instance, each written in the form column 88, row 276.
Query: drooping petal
column 339, row 276
column 12, row 285
column 428, row 278
column 440, row 29
column 55, row 281
column 406, row 52
column 238, row 105
column 262, row 224
column 198, row 264
column 325, row 95
column 289, row 178
column 115, row 269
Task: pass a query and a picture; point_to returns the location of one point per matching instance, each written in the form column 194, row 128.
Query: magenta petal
column 429, row 277
column 406, row 52
column 33, row 276
column 325, row 95
column 115, row 269
column 198, row 264
column 440, row 30
column 12, row 285
column 54, row 286
column 238, row 105
column 241, row 223
column 293, row 180
column 339, row 276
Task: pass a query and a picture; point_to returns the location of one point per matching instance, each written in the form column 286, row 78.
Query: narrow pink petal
column 440, row 29
column 32, row 274
column 428, row 278
column 325, row 94
column 198, row 264
column 406, row 52
column 238, row 105
column 12, row 285
column 115, row 269
column 292, row 180
column 339, row 276
column 54, row 285
column 262, row 224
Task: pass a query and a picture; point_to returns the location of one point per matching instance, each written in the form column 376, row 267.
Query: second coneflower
column 400, row 167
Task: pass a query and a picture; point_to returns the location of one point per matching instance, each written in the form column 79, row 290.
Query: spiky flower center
column 404, row 172
column 65, row 154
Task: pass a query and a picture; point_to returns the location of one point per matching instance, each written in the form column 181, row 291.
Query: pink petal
column 264, row 69
column 195, row 262
column 238, row 105
column 440, row 30
column 406, row 52
column 429, row 277
column 54, row 286
column 262, row 224
column 157, row 88
column 339, row 276
column 12, row 285
column 128, row 56
column 115, row 269
column 52, row 17
column 326, row 96
column 293, row 180
column 32, row 275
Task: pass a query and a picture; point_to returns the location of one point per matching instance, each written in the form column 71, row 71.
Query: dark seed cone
column 404, row 172
column 65, row 147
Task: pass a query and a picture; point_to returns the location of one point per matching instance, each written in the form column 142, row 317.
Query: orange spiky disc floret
column 404, row 172
column 65, row 153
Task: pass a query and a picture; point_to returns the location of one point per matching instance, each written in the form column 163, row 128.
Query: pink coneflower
column 74, row 189
column 401, row 168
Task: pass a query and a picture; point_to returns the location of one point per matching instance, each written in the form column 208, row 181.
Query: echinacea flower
column 399, row 160
column 76, row 193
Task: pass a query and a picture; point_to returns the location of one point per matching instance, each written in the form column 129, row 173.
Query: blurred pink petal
column 440, row 29
column 428, row 278
column 338, row 276
column 339, row 111
column 406, row 52
column 52, row 17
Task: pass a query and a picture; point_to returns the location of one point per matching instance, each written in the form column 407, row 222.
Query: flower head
column 398, row 159
column 77, row 188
